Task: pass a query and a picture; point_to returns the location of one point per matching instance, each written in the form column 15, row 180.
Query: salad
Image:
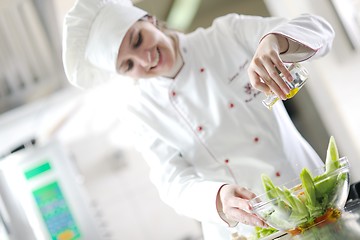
column 315, row 200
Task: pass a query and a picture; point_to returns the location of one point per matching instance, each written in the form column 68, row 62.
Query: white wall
column 335, row 79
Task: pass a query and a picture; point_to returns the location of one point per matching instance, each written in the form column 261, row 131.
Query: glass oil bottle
column 299, row 74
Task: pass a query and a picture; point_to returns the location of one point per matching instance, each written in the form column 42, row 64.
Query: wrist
column 283, row 43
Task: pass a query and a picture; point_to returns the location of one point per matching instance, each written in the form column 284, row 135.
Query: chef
column 197, row 111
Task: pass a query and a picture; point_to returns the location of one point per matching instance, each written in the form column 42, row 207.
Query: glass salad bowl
column 315, row 197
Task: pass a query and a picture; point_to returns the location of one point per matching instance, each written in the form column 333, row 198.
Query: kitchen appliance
column 354, row 193
column 41, row 197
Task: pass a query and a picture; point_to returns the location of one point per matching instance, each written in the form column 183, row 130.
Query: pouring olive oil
column 299, row 74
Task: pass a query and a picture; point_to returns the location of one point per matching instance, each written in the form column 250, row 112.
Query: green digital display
column 35, row 171
column 56, row 213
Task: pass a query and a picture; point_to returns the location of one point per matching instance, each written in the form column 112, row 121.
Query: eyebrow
column 131, row 37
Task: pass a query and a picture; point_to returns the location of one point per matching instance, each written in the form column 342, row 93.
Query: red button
column 226, row 160
column 173, row 93
column 231, row 105
column 202, row 69
column 199, row 128
column 277, row 174
column 256, row 139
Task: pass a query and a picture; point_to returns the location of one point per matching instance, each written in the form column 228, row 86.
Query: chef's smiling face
column 146, row 52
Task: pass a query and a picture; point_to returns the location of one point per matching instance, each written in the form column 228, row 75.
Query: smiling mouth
column 157, row 59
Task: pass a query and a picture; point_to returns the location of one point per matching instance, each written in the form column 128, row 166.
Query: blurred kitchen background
column 69, row 150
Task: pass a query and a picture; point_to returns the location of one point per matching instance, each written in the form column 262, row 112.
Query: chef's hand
column 233, row 206
column 264, row 67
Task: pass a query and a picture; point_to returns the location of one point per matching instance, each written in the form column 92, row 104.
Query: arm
column 188, row 193
column 294, row 41
column 177, row 181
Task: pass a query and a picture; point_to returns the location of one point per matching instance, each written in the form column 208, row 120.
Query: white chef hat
column 92, row 34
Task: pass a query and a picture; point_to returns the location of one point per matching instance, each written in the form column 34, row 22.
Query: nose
column 143, row 57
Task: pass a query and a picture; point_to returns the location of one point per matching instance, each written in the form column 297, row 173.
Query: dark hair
column 161, row 25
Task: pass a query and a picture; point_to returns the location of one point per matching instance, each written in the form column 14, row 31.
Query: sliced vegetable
column 311, row 203
column 268, row 186
column 309, row 187
column 263, row 232
column 331, row 161
column 326, row 181
column 308, row 203
column 332, row 157
column 299, row 210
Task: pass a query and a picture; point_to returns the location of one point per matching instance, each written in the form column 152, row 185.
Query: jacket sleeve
column 313, row 35
column 308, row 35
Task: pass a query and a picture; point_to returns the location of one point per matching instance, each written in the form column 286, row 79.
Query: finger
column 277, row 85
column 283, row 69
column 257, row 83
column 244, row 193
column 269, row 75
column 245, row 217
column 274, row 66
column 240, row 203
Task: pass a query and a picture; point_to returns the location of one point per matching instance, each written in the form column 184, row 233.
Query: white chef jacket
column 208, row 127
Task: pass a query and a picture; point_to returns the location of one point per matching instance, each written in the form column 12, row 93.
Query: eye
column 130, row 65
column 139, row 40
